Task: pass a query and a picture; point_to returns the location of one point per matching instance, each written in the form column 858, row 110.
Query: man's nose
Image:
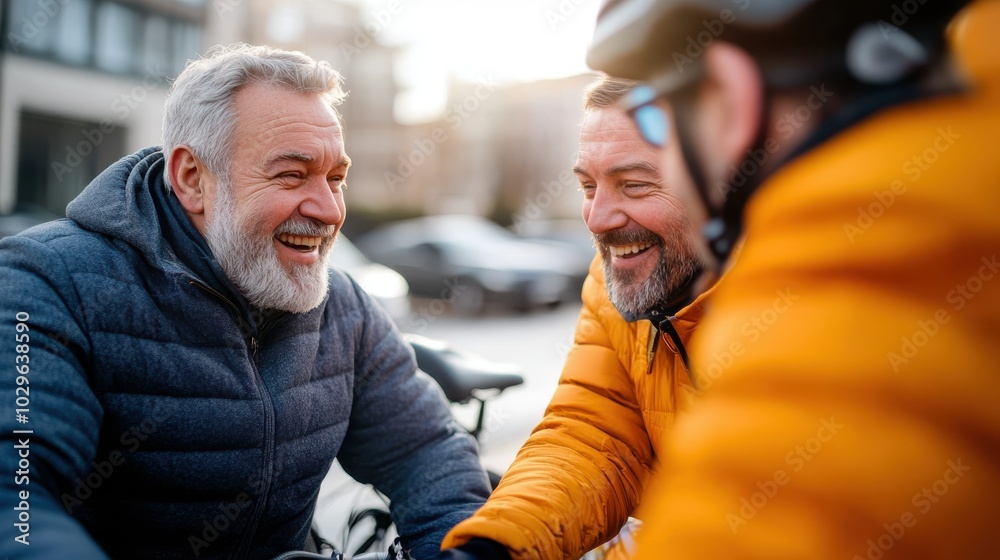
column 322, row 203
column 605, row 212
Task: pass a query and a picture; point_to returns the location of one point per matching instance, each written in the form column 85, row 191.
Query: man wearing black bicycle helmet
column 849, row 354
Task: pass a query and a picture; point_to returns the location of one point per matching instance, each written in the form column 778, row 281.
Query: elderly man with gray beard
column 582, row 472
column 193, row 364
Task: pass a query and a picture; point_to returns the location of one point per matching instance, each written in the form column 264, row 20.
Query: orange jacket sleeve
column 581, row 472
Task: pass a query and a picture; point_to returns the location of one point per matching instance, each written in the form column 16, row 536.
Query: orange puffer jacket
column 583, row 469
column 863, row 420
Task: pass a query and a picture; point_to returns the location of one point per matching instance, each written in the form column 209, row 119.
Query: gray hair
column 199, row 109
column 605, row 92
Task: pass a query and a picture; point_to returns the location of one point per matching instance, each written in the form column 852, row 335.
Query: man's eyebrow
column 286, row 157
column 301, row 158
column 623, row 168
column 633, row 166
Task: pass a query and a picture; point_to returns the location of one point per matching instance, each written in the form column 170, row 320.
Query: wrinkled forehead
column 274, row 119
column 609, row 133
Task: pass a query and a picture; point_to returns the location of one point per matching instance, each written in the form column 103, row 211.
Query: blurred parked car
column 381, row 282
column 469, row 261
column 567, row 234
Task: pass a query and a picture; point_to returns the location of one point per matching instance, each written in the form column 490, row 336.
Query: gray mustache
column 306, row 228
column 627, row 237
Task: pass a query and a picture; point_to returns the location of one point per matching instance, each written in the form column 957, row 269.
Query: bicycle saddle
column 461, row 374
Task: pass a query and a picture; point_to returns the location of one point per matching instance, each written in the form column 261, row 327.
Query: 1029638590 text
column 22, row 433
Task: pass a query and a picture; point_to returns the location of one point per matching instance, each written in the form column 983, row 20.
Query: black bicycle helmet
column 643, row 39
column 880, row 49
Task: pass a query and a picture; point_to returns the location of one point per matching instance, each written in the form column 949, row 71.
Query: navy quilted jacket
column 168, row 419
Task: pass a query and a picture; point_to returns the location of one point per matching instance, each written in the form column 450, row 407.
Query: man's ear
column 733, row 98
column 188, row 177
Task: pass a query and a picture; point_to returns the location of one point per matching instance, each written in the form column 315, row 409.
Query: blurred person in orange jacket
column 582, row 471
column 849, row 356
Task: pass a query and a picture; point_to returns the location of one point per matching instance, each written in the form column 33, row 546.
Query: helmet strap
column 724, row 226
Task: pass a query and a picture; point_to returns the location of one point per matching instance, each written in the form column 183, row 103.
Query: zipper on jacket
column 216, row 293
column 253, row 345
column 667, row 328
column 253, row 340
column 246, row 326
column 654, row 341
column 254, row 348
column 267, row 459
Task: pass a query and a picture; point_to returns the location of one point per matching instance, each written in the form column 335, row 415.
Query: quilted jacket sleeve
column 39, row 330
column 581, row 472
column 402, row 439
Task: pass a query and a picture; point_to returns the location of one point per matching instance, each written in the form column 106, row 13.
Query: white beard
column 248, row 257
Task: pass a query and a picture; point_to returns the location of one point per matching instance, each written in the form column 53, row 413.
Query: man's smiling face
column 273, row 223
column 639, row 226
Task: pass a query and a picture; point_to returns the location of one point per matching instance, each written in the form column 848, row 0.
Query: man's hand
column 476, row 549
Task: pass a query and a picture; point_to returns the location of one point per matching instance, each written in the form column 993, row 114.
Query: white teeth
column 622, row 250
column 304, row 240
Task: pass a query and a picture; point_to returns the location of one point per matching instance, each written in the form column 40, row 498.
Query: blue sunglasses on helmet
column 650, row 118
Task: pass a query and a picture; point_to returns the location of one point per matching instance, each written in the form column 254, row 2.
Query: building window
column 73, row 43
column 117, row 31
column 58, row 157
column 155, row 38
column 186, row 38
column 113, row 36
column 30, row 29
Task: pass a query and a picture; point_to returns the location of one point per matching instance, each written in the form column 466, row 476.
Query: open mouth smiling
column 629, row 251
column 300, row 243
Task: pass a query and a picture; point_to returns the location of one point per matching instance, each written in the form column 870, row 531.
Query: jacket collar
column 130, row 202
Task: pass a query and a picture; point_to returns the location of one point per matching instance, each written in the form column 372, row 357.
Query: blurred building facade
column 82, row 83
column 499, row 151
